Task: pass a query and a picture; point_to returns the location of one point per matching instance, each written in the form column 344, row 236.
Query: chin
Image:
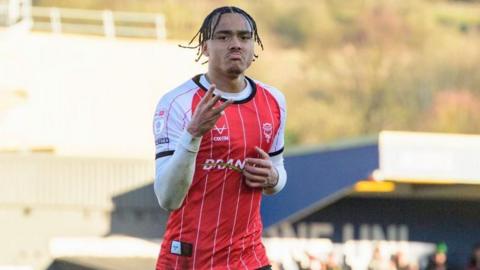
column 236, row 69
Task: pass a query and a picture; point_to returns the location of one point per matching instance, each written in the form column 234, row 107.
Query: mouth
column 234, row 56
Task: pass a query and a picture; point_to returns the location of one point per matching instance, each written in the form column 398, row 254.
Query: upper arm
column 169, row 122
column 279, row 139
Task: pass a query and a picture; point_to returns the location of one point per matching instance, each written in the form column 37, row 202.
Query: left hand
column 260, row 172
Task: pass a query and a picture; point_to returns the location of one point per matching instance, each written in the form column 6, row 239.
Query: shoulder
column 277, row 94
column 180, row 95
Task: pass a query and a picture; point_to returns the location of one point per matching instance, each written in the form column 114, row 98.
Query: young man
column 219, row 143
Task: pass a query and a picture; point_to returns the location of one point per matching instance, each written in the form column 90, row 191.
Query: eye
column 221, row 37
column 246, row 36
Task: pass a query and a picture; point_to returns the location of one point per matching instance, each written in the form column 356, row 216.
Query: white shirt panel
column 279, row 139
column 172, row 115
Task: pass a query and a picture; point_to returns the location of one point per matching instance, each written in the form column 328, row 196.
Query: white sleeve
column 174, row 174
column 279, row 139
column 168, row 125
column 276, row 150
column 277, row 162
column 176, row 152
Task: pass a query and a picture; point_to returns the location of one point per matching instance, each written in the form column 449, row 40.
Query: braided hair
column 210, row 23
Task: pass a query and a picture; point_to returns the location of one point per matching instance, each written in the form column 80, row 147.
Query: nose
column 235, row 43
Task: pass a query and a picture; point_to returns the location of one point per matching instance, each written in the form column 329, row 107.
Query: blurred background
column 383, row 123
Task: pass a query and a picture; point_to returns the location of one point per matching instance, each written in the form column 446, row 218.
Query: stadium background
column 77, row 91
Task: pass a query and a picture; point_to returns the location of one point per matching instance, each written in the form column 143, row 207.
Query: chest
column 242, row 127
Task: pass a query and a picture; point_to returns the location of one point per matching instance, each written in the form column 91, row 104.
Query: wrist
column 274, row 180
column 190, row 142
column 194, row 131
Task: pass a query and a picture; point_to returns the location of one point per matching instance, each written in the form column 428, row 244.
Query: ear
column 205, row 49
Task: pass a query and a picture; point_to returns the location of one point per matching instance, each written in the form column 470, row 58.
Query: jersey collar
column 196, row 80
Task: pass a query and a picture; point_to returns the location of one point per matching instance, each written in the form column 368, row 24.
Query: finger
column 213, row 101
column 254, row 178
column 212, row 119
column 257, row 162
column 208, row 95
column 262, row 153
column 222, row 107
column 253, row 184
column 264, row 172
column 210, row 90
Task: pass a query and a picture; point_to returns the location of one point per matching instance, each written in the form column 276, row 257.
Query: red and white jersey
column 218, row 225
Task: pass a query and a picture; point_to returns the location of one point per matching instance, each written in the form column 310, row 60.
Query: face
column 440, row 258
column 476, row 253
column 402, row 259
column 230, row 51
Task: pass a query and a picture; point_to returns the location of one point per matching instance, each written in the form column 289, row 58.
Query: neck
column 232, row 84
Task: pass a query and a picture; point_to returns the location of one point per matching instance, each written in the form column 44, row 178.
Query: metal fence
column 80, row 21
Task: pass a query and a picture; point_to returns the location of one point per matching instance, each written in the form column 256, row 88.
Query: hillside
column 352, row 68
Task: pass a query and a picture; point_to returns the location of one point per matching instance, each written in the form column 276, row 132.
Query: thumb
column 262, row 153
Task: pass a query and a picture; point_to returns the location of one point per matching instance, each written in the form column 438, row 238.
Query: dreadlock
column 207, row 29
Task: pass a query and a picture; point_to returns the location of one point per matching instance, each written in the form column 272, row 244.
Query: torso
column 220, row 216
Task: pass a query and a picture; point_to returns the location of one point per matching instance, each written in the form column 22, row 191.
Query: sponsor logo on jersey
column 267, row 131
column 163, row 140
column 181, row 248
column 220, row 164
column 159, row 123
column 218, row 137
column 220, row 130
column 176, row 248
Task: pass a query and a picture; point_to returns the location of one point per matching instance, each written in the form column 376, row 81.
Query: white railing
column 105, row 22
column 12, row 11
column 90, row 22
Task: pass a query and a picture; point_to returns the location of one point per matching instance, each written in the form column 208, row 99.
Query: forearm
column 174, row 174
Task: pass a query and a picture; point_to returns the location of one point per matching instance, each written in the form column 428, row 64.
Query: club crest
column 267, row 131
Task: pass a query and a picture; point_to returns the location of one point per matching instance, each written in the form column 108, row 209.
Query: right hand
column 206, row 115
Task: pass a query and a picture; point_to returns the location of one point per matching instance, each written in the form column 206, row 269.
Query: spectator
column 474, row 263
column 331, row 262
column 439, row 259
column 400, row 261
column 345, row 265
column 377, row 262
